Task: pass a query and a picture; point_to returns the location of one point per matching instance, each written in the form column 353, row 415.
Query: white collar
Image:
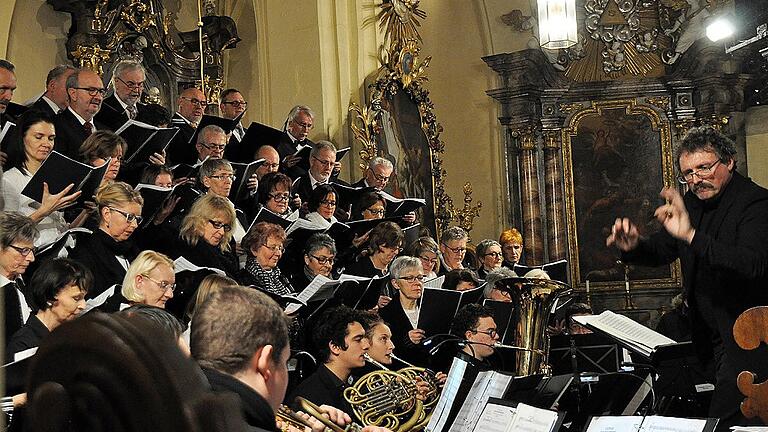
column 51, row 104
column 313, row 182
column 82, row 120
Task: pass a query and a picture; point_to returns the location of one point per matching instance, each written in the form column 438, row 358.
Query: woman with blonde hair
column 150, row 280
column 108, row 251
column 205, row 236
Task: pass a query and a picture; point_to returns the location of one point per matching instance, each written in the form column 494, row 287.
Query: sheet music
column 672, row 424
column 182, row 264
column 532, row 419
column 615, row 424
column 435, row 283
column 626, row 329
column 447, row 397
column 21, row 355
column 495, row 418
column 8, row 125
column 99, row 299
column 488, row 384
column 307, row 293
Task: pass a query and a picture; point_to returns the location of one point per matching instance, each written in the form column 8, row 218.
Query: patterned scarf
column 268, row 280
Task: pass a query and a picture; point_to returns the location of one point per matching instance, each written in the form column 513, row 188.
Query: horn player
column 240, row 339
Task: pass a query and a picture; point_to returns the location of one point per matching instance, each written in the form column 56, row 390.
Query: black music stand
column 583, row 353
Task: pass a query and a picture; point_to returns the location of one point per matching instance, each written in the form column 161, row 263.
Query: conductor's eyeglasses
column 703, row 172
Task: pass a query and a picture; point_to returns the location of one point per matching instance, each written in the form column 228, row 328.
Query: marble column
column 532, row 227
column 553, row 169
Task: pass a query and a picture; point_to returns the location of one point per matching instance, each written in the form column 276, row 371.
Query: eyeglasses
column 307, row 126
column 376, row 212
column 493, row 254
column 379, row 177
column 456, row 250
column 701, row 173
column 328, row 203
column 428, row 259
column 492, row 333
column 412, row 279
column 195, row 102
column 324, row 163
column 271, row 165
column 129, row 217
column 218, row 147
column 229, row 177
column 275, row 248
column 164, row 285
column 93, row 91
column 220, row 225
column 323, row 260
column 24, row 251
column 132, row 85
column 236, row 104
column 280, row 197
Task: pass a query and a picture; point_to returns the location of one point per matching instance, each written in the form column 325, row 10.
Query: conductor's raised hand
column 624, row 235
column 674, row 217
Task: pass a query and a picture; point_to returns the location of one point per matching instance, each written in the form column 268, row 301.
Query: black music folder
column 59, row 172
column 243, row 172
column 227, row 124
column 439, row 307
column 8, row 132
column 402, row 206
column 265, row 215
column 557, row 270
column 144, row 140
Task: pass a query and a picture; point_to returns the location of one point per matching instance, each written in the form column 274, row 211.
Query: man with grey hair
column 211, row 142
column 73, row 125
column 55, row 99
column 453, row 248
column 377, row 175
column 191, row 106
column 240, row 339
column 17, row 250
column 295, row 132
column 128, row 85
column 322, row 161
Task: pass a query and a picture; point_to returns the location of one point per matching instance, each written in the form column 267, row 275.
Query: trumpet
column 314, row 411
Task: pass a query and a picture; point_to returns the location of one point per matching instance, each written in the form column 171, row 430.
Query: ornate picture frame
column 617, row 157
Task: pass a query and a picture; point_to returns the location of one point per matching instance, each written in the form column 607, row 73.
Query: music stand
column 583, row 353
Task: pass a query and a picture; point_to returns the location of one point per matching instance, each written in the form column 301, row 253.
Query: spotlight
column 720, row 28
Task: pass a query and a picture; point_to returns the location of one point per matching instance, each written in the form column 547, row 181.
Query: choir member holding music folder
column 147, row 145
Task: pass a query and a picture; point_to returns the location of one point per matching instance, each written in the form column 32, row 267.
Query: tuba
column 386, row 398
column 533, row 299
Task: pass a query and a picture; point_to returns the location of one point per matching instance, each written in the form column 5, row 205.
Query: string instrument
column 749, row 331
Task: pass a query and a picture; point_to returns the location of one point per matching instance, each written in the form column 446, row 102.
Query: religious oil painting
column 403, row 141
column 617, row 160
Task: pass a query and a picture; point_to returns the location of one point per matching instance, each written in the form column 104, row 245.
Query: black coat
column 70, row 134
column 394, row 315
column 29, row 336
column 112, row 115
column 725, row 271
column 322, row 388
column 256, row 410
column 204, row 255
column 42, row 106
column 99, row 252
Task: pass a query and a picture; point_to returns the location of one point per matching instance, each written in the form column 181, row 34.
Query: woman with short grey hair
column 319, row 259
column 489, row 257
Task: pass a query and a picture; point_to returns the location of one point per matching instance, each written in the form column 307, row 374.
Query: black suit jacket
column 112, row 115
column 725, row 272
column 286, row 147
column 394, row 315
column 256, row 410
column 303, row 187
column 99, row 252
column 180, row 150
column 70, row 134
column 42, row 105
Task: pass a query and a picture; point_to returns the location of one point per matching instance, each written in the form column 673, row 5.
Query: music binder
column 144, row 140
column 500, row 415
column 265, row 215
column 628, row 333
column 557, row 270
column 439, row 306
column 7, row 133
column 401, row 206
column 227, row 124
column 59, row 171
column 183, row 170
column 243, row 172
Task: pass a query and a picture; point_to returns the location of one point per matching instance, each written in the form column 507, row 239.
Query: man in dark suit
column 377, row 175
column 719, row 231
column 240, row 339
column 322, row 163
column 55, row 98
column 86, row 92
column 191, row 105
column 300, row 121
column 231, row 106
column 128, row 84
column 7, row 87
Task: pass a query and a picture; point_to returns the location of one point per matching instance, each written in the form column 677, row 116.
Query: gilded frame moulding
column 660, row 126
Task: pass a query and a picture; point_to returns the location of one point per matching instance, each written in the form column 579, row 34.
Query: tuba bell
column 533, row 299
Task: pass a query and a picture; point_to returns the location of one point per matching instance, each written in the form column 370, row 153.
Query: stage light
column 557, row 24
column 720, row 28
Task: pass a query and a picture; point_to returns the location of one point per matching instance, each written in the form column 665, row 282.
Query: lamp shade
column 557, row 23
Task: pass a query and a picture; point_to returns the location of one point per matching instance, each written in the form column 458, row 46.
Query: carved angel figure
column 689, row 24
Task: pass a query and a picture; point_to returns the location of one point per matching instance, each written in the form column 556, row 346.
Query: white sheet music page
column 626, row 329
column 450, row 389
column 435, row 283
column 495, row 418
column 532, row 419
column 672, row 424
column 99, row 299
column 615, row 424
column 472, row 402
column 494, row 385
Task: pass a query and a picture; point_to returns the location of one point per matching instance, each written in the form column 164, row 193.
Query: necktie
column 131, row 109
column 240, row 131
column 13, row 319
column 88, row 128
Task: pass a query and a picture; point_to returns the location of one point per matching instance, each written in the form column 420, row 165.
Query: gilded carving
column 465, row 217
column 138, row 15
column 91, row 57
column 569, row 108
column 364, row 128
column 662, row 102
